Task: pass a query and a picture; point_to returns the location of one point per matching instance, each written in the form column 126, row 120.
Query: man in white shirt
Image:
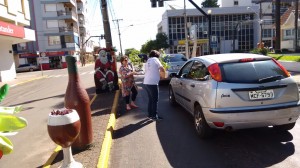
column 152, row 76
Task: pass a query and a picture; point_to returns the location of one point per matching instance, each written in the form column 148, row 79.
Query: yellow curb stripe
column 52, row 157
column 106, row 145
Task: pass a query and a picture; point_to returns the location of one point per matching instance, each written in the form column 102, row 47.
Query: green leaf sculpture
column 9, row 123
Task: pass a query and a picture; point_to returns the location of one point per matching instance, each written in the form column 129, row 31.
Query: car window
column 175, row 58
column 250, row 72
column 185, row 69
column 198, row 71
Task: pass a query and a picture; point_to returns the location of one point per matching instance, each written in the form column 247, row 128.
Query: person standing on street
column 153, row 67
column 128, row 83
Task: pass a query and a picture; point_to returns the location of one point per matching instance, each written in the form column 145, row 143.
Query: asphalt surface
column 109, row 98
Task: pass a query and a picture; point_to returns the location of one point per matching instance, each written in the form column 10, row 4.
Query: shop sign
column 57, row 53
column 27, row 55
column 43, row 60
column 191, row 42
column 11, row 30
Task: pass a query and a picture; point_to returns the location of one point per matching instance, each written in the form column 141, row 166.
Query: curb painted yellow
column 58, row 148
column 106, row 145
column 52, row 157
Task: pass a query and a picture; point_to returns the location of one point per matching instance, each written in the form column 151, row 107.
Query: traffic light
column 153, row 3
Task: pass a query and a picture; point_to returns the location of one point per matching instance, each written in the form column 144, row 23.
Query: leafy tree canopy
column 209, row 3
column 161, row 42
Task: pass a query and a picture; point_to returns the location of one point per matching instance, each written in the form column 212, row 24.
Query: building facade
column 61, row 29
column 232, row 28
column 14, row 18
column 238, row 25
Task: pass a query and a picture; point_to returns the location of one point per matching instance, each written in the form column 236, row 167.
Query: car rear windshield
column 175, row 58
column 251, row 72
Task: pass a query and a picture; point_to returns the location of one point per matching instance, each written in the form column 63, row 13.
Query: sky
column 138, row 21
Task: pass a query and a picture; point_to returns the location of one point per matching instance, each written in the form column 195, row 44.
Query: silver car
column 175, row 62
column 27, row 68
column 236, row 91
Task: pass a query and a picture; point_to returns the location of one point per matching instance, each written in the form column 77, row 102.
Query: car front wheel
column 202, row 128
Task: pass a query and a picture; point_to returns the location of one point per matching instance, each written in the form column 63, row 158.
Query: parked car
column 236, row 91
column 175, row 62
column 143, row 57
column 27, row 68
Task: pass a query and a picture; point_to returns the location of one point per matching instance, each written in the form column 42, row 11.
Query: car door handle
column 192, row 85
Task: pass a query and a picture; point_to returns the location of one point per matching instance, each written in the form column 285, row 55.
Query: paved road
column 173, row 142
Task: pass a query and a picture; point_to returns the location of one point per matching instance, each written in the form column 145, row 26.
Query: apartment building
column 61, row 29
column 14, row 18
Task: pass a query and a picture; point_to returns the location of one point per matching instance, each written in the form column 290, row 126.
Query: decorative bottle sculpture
column 77, row 98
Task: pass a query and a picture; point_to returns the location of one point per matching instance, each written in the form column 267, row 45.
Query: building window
column 52, row 23
column 236, row 3
column 69, row 39
column 50, row 8
column 53, row 40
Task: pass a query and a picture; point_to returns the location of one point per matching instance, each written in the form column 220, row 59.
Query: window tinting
column 249, row 72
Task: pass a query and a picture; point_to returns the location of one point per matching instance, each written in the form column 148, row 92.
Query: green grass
column 285, row 57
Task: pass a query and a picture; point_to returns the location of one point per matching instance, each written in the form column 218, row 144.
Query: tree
column 161, row 42
column 128, row 51
column 210, row 3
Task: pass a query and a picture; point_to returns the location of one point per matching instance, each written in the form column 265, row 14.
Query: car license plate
column 261, row 94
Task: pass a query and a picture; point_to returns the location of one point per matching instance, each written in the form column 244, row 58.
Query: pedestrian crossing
column 65, row 75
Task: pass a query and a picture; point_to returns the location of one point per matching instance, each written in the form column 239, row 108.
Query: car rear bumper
column 253, row 119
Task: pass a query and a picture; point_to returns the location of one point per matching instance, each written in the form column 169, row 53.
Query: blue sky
column 132, row 12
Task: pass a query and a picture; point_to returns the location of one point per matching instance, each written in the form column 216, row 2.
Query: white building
column 14, row 16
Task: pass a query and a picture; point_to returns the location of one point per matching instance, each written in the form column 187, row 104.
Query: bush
column 262, row 51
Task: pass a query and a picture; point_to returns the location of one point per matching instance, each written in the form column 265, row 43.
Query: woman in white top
column 152, row 76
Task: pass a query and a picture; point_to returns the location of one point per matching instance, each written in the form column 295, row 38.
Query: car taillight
column 281, row 67
column 246, row 60
column 215, row 72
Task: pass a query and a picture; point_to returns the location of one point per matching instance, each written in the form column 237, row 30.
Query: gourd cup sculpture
column 63, row 128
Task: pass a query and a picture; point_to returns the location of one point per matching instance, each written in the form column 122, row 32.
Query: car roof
column 231, row 57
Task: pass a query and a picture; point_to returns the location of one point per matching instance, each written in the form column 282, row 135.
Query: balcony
column 68, row 29
column 68, row 3
column 67, row 15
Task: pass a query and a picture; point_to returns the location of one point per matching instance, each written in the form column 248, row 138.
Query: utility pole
column 278, row 27
column 117, row 20
column 106, row 24
column 186, row 33
column 296, row 26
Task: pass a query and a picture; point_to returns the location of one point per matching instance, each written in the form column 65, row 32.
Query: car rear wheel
column 171, row 96
column 202, row 128
column 285, row 127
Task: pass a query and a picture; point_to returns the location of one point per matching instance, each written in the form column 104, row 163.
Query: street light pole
column 260, row 24
column 41, row 66
column 117, row 20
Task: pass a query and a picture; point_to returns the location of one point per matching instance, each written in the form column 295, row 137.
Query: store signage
column 26, row 55
column 199, row 41
column 11, row 30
